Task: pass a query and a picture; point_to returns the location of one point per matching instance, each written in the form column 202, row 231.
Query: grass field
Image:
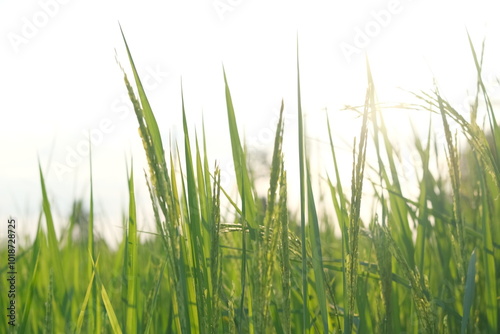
column 426, row 264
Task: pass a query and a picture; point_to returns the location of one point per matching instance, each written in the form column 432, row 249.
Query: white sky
column 60, row 80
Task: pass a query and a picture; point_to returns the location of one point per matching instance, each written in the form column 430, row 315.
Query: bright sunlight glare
column 62, row 83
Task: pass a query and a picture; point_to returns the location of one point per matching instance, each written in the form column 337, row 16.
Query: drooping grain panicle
column 474, row 134
column 153, row 146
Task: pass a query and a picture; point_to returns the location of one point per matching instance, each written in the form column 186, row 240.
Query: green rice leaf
column 113, row 320
column 131, row 260
column 470, row 283
column 240, row 164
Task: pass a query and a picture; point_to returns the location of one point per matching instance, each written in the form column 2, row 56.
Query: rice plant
column 423, row 264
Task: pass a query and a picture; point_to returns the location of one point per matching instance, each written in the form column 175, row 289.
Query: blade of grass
column 239, row 159
column 150, row 120
column 31, row 287
column 86, row 299
column 243, row 283
column 131, row 255
column 317, row 256
column 286, row 268
column 55, row 254
column 301, row 136
column 426, row 316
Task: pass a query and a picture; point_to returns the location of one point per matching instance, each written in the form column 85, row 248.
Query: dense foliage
column 425, row 264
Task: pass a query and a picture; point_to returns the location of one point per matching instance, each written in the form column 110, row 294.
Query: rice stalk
column 268, row 244
column 86, row 299
column 317, row 256
column 245, row 187
column 195, row 231
column 215, row 255
column 301, row 138
column 131, row 262
column 457, row 233
column 286, row 269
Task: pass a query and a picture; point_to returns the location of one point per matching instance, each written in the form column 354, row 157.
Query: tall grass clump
column 422, row 263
